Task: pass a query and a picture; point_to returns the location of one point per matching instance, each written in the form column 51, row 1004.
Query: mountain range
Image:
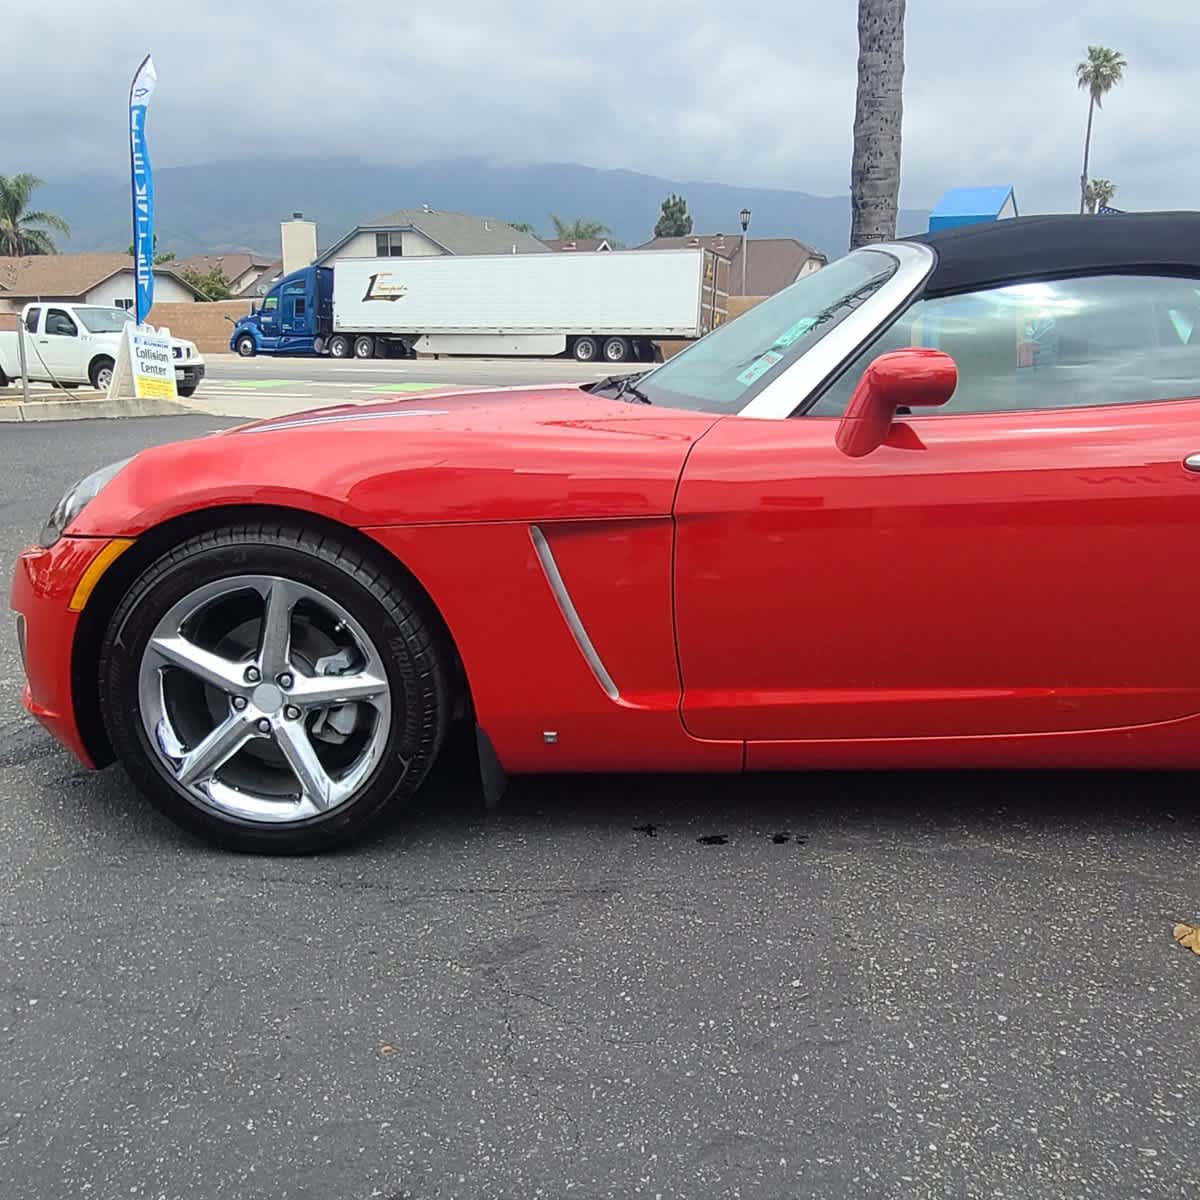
column 227, row 206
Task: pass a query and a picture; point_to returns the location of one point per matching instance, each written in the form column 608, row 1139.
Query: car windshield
column 103, row 320
column 725, row 370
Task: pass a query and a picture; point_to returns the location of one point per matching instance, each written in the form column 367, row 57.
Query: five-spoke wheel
column 273, row 716
column 272, row 689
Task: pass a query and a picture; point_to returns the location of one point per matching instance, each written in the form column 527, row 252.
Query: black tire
column 401, row 628
column 187, row 389
column 339, row 346
column 616, row 349
column 246, row 347
column 585, row 349
column 364, row 346
column 97, row 370
column 318, row 345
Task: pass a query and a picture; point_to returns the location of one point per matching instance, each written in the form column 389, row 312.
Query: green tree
column 18, row 225
column 878, row 116
column 1099, row 193
column 165, row 256
column 524, row 227
column 213, row 284
column 1097, row 75
column 579, row 228
column 674, row 220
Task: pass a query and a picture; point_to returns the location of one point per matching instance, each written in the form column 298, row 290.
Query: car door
column 1017, row 562
column 295, row 320
column 57, row 346
column 269, row 326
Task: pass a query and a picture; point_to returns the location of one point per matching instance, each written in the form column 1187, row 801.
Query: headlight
column 77, row 497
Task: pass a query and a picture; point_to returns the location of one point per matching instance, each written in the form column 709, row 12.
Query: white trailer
column 609, row 305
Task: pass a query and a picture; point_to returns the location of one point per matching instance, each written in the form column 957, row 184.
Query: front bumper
column 188, row 373
column 43, row 583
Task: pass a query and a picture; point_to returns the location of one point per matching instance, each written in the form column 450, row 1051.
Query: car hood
column 456, row 408
column 547, row 453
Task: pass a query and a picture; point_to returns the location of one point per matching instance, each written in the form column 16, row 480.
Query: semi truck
column 610, row 306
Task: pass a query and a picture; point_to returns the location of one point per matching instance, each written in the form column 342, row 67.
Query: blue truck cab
column 295, row 317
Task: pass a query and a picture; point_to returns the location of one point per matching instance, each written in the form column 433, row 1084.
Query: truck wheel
column 101, row 374
column 585, row 349
column 616, row 349
column 364, row 347
column 187, row 389
column 245, row 346
column 339, row 346
column 318, row 345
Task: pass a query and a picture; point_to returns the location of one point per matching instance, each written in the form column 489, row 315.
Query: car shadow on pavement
column 782, row 809
column 709, row 810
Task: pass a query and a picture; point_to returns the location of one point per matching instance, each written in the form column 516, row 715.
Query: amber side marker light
column 105, row 559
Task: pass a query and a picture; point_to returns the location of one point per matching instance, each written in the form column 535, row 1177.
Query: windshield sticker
column 758, row 368
column 796, row 332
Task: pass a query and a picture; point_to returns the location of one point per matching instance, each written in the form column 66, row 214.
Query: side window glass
column 1069, row 343
column 271, row 303
column 58, row 323
column 31, row 320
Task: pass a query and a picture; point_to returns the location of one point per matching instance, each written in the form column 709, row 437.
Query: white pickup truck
column 74, row 344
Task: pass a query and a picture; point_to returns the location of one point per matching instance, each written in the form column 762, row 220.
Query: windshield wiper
column 623, row 387
column 852, row 300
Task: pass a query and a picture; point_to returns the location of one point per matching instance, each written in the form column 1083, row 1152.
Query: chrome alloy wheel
column 264, row 699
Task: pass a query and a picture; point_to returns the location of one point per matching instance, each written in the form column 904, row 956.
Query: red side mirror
column 899, row 379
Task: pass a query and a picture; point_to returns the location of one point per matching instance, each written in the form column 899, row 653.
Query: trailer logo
column 379, row 287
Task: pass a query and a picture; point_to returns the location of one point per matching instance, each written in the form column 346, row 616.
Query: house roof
column 580, row 244
column 771, row 264
column 456, row 233
column 232, row 266
column 973, row 202
column 67, row 275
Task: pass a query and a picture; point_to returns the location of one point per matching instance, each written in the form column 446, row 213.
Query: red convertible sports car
column 932, row 506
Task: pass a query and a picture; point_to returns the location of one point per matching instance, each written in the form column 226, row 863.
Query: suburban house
column 589, row 244
column 771, row 263
column 106, row 279
column 426, row 231
column 242, row 270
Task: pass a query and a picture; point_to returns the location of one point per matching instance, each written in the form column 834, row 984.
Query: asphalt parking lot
column 818, row 986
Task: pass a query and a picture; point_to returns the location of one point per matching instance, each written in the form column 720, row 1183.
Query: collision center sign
column 153, row 367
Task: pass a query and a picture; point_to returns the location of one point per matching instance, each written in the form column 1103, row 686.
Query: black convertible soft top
column 998, row 252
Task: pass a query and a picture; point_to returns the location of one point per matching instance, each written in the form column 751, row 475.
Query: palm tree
column 1099, row 193
column 578, row 229
column 18, row 234
column 878, row 114
column 1098, row 74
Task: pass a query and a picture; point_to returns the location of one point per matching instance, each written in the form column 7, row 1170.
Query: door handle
column 1192, row 462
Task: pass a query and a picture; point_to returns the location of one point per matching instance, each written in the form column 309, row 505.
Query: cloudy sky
column 755, row 93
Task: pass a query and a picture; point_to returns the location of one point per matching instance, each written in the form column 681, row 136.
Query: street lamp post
column 745, row 219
